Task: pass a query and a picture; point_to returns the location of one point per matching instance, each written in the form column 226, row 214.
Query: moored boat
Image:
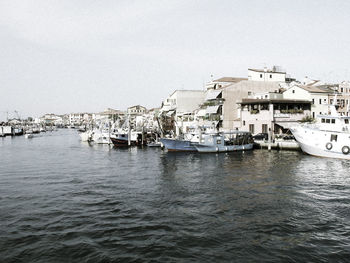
column 225, row 142
column 179, row 145
column 328, row 137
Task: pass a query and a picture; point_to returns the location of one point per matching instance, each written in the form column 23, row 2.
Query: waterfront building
column 51, row 119
column 108, row 115
column 76, row 119
column 233, row 94
column 317, row 95
column 272, row 114
column 343, row 98
column 134, row 113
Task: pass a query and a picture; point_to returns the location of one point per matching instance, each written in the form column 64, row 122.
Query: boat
column 178, row 145
column 328, row 137
column 100, row 137
column 154, row 144
column 225, row 142
column 121, row 139
column 86, row 136
column 184, row 143
column 35, row 130
column 18, row 131
column 28, row 135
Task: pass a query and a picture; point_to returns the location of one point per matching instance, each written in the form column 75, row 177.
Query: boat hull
column 174, row 145
column 219, row 148
column 122, row 142
column 318, row 143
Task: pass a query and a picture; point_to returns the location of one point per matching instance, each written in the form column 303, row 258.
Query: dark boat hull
column 123, row 142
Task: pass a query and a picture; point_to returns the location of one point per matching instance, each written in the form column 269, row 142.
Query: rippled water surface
column 62, row 200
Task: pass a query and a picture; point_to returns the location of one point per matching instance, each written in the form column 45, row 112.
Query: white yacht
column 328, row 137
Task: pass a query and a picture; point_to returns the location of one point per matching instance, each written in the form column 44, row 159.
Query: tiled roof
column 229, row 79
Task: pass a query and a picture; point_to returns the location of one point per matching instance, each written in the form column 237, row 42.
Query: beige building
column 233, row 94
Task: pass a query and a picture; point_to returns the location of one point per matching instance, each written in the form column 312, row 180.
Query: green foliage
column 307, row 119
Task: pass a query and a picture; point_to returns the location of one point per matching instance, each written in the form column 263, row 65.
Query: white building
column 318, row 95
column 276, row 74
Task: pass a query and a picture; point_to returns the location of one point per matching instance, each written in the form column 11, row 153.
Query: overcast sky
column 84, row 56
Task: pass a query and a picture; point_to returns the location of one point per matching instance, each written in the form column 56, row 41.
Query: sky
column 65, row 56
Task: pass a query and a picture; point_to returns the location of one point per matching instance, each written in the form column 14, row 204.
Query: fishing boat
column 101, row 137
column 86, row 136
column 179, row 145
column 121, row 139
column 328, row 137
column 225, row 142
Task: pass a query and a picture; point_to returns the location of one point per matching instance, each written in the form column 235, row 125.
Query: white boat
column 328, row 137
column 101, row 137
column 28, row 135
column 86, row 136
column 225, row 142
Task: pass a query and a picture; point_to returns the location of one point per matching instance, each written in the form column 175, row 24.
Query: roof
column 229, row 79
column 268, row 101
column 110, row 112
column 265, row 70
column 137, row 106
column 317, row 89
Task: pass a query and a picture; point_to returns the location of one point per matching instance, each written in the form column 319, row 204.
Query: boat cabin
column 227, row 139
column 334, row 123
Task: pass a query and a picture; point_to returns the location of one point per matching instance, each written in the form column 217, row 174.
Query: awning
column 288, row 125
column 212, row 109
column 212, row 94
column 184, row 113
column 170, row 113
column 201, row 113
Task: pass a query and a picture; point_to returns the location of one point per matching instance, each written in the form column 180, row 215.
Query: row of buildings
column 266, row 100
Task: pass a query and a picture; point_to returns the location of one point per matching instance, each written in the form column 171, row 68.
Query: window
column 264, row 128
column 218, row 141
column 313, row 101
column 333, row 121
column 249, row 93
column 334, row 137
column 320, row 101
column 346, row 121
column 243, row 123
column 270, row 76
column 251, row 128
column 261, row 76
column 293, row 91
column 323, row 120
column 325, row 100
column 341, row 90
column 328, row 121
